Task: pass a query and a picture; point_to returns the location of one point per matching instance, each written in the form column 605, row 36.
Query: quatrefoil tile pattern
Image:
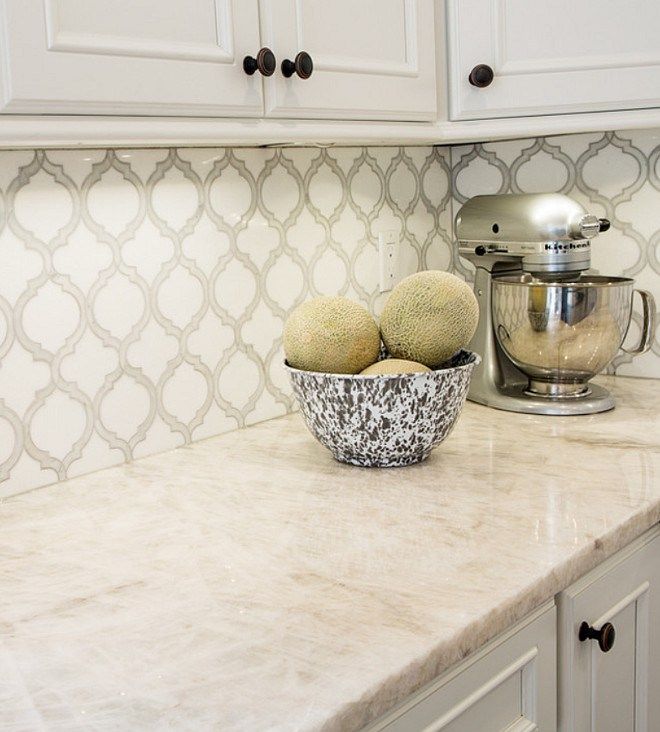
column 613, row 174
column 143, row 292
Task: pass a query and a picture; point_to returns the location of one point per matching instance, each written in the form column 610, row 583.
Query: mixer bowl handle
column 648, row 324
column 503, row 333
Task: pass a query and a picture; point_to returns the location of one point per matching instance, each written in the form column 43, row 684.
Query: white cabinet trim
column 627, row 600
column 65, row 131
column 524, row 663
column 360, row 66
column 223, row 52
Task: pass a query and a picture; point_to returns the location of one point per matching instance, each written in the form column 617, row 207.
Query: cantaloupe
column 331, row 334
column 394, row 366
column 587, row 346
column 428, row 317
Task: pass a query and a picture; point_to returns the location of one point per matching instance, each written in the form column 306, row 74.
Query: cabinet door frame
column 525, row 652
column 516, row 83
column 405, row 90
column 47, row 70
column 637, row 591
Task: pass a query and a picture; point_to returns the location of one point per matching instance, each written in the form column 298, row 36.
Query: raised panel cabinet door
column 129, row 57
column 553, row 57
column 617, row 688
column 372, row 59
column 507, row 686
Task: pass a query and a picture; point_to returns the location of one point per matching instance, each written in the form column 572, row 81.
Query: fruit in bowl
column 380, row 407
column 429, row 317
column 331, row 334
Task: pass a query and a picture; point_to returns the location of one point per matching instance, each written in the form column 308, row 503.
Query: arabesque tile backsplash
column 143, row 292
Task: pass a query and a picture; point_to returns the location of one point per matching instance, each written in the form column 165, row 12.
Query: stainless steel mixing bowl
column 561, row 334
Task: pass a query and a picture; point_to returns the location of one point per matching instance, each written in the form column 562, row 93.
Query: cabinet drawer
column 510, row 685
column 614, row 690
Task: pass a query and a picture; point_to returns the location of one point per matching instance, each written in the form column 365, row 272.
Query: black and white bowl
column 383, row 420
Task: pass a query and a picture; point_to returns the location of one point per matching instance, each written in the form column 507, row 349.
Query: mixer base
column 514, row 398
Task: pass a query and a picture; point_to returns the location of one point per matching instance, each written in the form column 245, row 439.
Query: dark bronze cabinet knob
column 605, row 636
column 302, row 65
column 265, row 63
column 481, row 75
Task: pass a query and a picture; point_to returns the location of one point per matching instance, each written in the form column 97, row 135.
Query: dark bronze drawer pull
column 605, row 636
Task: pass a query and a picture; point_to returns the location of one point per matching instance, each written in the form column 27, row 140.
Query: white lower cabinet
column 617, row 690
column 544, row 674
column 510, row 684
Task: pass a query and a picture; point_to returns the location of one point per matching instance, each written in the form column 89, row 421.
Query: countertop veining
column 249, row 582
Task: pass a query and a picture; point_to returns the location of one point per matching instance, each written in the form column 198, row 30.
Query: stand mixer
column 545, row 328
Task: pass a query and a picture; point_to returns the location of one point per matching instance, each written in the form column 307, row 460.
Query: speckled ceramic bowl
column 383, row 420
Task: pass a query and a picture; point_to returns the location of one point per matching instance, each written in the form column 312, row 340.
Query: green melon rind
column 331, row 335
column 428, row 317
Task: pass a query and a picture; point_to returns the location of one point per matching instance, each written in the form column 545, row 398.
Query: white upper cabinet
column 143, row 57
column 551, row 57
column 372, row 59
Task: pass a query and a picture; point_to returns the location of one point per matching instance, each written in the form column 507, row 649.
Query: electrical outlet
column 388, row 259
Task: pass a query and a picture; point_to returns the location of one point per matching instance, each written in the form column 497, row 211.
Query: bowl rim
column 589, row 281
column 474, row 360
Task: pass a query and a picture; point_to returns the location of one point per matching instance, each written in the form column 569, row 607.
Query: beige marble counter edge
column 443, row 657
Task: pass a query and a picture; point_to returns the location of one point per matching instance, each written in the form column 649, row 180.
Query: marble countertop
column 249, row 582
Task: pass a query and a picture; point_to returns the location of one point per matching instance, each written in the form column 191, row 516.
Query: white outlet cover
column 388, row 259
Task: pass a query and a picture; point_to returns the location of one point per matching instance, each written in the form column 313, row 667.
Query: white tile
column 113, row 202
column 176, row 199
column 235, row 289
column 185, row 392
column 48, row 332
column 180, row 296
column 43, row 206
column 239, row 380
column 147, row 250
column 18, row 265
column 119, row 305
column 153, row 350
column 58, row 424
column 230, row 195
column 89, row 363
column 82, row 258
column 21, row 377
column 125, row 407
column 285, row 282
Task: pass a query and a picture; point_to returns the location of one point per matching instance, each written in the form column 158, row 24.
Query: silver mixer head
column 546, row 234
